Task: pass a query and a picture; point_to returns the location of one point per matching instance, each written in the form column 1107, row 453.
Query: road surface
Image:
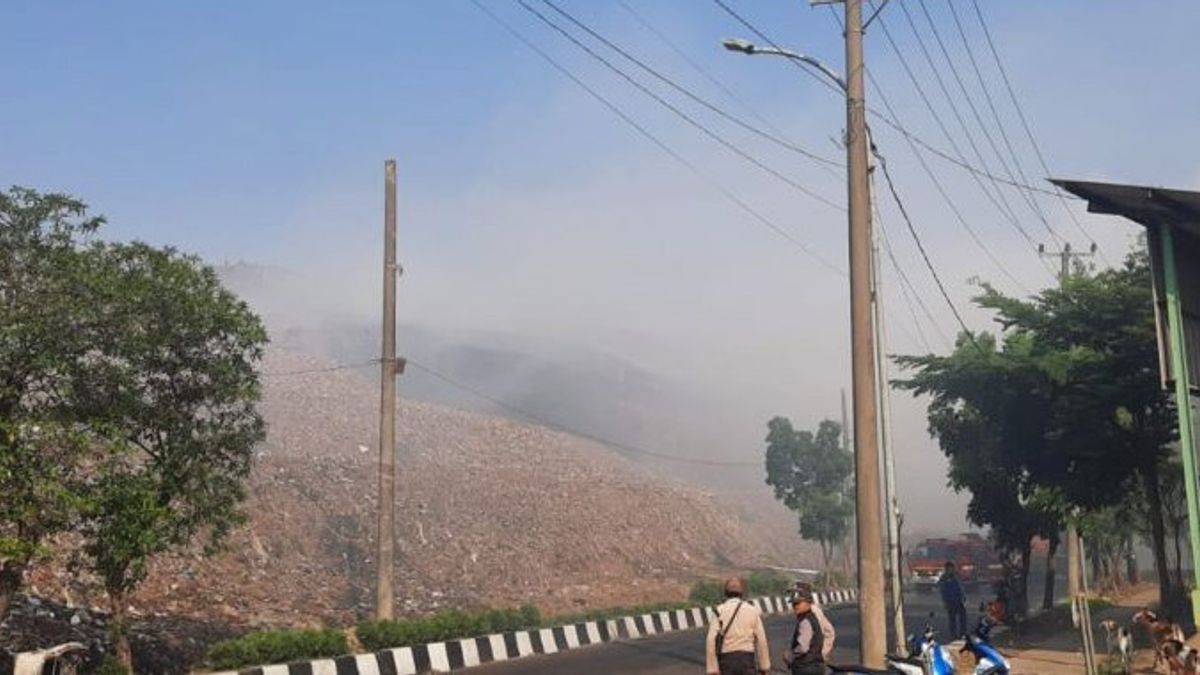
column 682, row 652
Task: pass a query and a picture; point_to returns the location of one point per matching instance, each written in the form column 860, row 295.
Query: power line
column 763, row 36
column 919, row 338
column 703, row 72
column 327, row 369
column 970, row 101
column 645, row 133
column 987, row 95
column 1025, row 124
column 558, row 427
column 1002, row 205
column 680, row 113
column 912, row 230
column 825, row 163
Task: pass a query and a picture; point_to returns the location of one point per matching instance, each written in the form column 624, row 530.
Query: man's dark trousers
column 737, row 663
column 956, row 615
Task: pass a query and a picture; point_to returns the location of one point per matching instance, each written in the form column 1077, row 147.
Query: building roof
column 1145, row 205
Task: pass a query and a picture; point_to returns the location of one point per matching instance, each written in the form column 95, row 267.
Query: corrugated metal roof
column 1146, row 205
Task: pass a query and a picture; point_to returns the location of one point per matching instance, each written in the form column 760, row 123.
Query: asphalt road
column 682, row 652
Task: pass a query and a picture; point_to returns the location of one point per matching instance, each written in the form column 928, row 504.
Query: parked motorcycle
column 988, row 659
column 925, row 657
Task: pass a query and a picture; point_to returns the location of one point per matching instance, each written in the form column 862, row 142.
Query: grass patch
column 280, row 646
column 711, row 591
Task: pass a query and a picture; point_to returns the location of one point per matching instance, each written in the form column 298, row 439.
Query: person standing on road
column 737, row 642
column 806, row 656
column 954, row 599
column 827, row 631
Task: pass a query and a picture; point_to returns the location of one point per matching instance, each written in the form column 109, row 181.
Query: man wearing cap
column 805, row 656
column 737, row 643
column 827, row 631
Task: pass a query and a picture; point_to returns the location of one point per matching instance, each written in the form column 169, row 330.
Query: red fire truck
column 970, row 552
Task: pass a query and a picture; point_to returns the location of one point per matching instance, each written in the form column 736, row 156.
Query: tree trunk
column 119, row 630
column 1131, row 566
column 10, row 582
column 827, row 559
column 1048, row 590
column 1158, row 535
column 1021, row 597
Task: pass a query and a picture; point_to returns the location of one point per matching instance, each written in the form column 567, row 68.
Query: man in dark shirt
column 805, row 655
column 955, row 601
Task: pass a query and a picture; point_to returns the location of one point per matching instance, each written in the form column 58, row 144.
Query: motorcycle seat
column 911, row 660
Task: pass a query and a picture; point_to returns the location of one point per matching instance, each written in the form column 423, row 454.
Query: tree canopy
column 810, row 474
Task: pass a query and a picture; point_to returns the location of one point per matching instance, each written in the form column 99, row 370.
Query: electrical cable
column 328, row 369
column 698, row 99
column 680, row 113
column 1025, row 125
column 987, row 96
column 661, row 145
column 912, row 230
column 970, row 101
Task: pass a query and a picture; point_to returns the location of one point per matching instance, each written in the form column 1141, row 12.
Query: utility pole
column 1064, row 258
column 1076, row 574
column 872, row 606
column 892, row 501
column 385, row 556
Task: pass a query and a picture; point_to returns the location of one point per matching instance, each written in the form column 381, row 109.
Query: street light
column 747, row 47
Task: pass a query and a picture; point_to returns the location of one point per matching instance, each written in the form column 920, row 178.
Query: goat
column 1166, row 635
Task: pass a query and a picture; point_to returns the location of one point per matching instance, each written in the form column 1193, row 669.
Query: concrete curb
column 444, row 657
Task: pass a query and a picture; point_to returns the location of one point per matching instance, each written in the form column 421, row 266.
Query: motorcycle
column 988, row 659
column 925, row 657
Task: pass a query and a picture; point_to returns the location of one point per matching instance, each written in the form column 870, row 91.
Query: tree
column 989, row 411
column 1072, row 401
column 171, row 390
column 128, row 397
column 810, row 474
column 41, row 449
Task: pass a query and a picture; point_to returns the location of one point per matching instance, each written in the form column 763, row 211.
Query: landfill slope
column 490, row 512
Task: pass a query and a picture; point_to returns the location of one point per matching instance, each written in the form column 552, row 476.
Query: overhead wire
column 537, row 419
column 1037, row 149
column 323, row 369
column 712, row 107
column 970, row 101
column 1002, row 205
column 912, row 230
column 660, row 144
column 987, row 96
column 919, row 336
column 692, row 121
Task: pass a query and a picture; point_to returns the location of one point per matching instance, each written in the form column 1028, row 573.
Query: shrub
column 268, row 647
column 448, row 625
column 712, row 592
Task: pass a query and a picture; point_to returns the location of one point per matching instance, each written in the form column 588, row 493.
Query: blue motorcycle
column 988, row 659
column 925, row 657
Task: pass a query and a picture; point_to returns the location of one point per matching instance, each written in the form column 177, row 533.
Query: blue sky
column 258, row 130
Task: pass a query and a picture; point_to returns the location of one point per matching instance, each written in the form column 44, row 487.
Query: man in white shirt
column 737, row 642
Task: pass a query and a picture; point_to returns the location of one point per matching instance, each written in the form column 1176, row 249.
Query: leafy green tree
column 171, row 389
column 811, row 475
column 1071, row 400
column 41, row 450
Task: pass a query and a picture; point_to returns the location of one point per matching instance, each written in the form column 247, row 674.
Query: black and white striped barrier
column 444, row 657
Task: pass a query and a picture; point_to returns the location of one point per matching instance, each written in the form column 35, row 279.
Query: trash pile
column 490, row 512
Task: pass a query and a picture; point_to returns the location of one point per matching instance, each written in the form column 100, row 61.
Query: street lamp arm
column 746, row 47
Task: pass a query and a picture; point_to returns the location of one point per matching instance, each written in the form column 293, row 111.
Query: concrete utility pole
column 385, row 556
column 872, row 606
column 892, row 501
